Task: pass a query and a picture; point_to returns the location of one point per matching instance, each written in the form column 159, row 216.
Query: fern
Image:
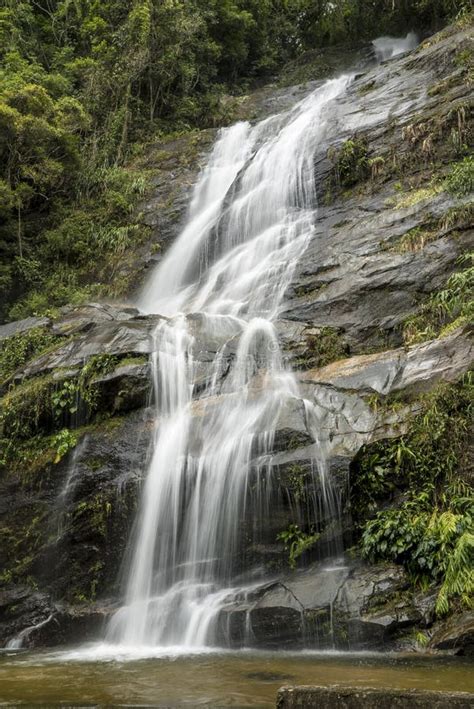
column 459, row 576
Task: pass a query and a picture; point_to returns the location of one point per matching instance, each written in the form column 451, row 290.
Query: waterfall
column 249, row 223
column 389, row 47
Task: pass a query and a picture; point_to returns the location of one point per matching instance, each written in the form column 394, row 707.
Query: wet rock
column 21, row 610
column 79, row 319
column 127, row 388
column 73, row 623
column 122, row 337
column 456, row 635
column 350, row 278
column 71, row 526
column 330, row 605
column 369, row 698
column 176, row 165
column 341, row 391
column 21, row 326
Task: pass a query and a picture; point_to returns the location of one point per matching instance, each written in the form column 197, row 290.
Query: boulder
column 456, row 635
column 340, row 605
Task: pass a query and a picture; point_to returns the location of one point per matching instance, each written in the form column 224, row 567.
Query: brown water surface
column 242, row 679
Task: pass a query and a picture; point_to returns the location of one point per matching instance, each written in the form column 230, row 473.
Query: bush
column 428, row 516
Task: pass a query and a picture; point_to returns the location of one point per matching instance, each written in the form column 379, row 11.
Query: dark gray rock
column 22, row 609
column 21, row 326
column 81, row 512
column 339, row 605
column 456, row 635
column 127, row 388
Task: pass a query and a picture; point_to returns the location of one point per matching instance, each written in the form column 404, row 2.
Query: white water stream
column 250, row 221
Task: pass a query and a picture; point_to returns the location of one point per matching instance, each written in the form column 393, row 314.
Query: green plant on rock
column 323, row 348
column 26, row 409
column 446, row 310
column 17, row 350
column 427, row 516
column 460, row 180
column 414, row 240
column 63, row 442
column 296, row 542
column 96, row 511
column 64, row 398
column 351, row 164
column 296, row 477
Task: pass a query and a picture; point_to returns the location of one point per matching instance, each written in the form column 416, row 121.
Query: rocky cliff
column 366, row 328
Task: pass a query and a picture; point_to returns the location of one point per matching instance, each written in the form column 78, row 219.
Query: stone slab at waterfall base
column 369, row 698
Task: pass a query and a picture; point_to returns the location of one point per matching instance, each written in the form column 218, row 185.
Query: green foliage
column 296, row 543
column 460, row 181
column 83, row 87
column 414, row 240
column 428, row 526
column 17, row 350
column 351, row 164
column 63, row 442
column 444, row 311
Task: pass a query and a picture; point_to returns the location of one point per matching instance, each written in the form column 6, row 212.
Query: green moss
column 464, row 58
column 133, row 360
column 295, row 479
column 97, row 511
column 21, row 538
column 415, row 196
column 27, row 409
column 366, row 88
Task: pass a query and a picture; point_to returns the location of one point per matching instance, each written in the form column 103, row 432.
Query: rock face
column 328, row 606
column 455, row 635
column 66, row 513
column 368, row 698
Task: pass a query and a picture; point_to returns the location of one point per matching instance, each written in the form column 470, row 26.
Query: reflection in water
column 246, row 679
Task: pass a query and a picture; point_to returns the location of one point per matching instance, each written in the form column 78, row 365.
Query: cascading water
column 250, row 221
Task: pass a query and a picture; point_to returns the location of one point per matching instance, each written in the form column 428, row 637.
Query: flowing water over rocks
column 250, row 221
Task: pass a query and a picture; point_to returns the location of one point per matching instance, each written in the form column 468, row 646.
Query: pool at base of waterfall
column 94, row 676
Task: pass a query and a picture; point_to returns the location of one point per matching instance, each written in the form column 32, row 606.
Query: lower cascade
column 250, row 220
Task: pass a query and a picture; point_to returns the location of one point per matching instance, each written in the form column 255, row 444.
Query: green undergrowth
column 18, row 350
column 412, row 498
column 38, row 416
column 87, row 250
column 433, row 148
column 446, row 310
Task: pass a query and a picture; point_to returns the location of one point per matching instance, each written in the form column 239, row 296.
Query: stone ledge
column 313, row 697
